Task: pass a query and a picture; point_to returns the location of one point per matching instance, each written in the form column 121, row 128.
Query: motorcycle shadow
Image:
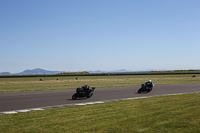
column 144, row 92
column 82, row 98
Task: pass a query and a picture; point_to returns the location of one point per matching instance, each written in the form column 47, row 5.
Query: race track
column 35, row 99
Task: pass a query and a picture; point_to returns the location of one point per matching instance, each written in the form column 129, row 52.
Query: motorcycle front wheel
column 89, row 95
column 149, row 89
column 74, row 96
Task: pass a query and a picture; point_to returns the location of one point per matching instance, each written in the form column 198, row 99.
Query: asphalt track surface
column 36, row 99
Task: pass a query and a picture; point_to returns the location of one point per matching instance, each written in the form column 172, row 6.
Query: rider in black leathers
column 86, row 88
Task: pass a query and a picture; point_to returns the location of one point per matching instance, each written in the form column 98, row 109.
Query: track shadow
column 76, row 99
column 141, row 93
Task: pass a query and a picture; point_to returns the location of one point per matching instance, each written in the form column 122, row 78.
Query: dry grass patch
column 70, row 82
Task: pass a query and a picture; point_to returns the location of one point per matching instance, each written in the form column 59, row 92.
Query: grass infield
column 178, row 113
column 70, row 82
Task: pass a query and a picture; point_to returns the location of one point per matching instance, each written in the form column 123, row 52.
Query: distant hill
column 116, row 71
column 32, row 72
column 37, row 71
column 5, row 73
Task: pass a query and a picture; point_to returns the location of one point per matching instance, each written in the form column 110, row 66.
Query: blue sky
column 83, row 35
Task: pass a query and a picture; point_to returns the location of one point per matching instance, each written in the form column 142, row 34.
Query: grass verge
column 179, row 113
column 69, row 82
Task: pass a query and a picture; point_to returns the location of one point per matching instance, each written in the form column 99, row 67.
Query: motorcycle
column 145, row 87
column 80, row 92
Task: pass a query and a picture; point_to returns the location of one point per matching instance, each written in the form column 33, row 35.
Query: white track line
column 87, row 103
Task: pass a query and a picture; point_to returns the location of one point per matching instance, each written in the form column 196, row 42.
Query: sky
column 90, row 35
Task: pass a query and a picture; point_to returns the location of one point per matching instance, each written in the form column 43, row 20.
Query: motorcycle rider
column 149, row 84
column 86, row 88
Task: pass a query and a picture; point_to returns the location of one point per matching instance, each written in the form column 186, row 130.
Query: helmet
column 86, row 85
column 149, row 81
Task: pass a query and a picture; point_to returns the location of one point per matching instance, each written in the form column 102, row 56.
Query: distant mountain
column 120, row 71
column 42, row 71
column 5, row 73
column 116, row 71
column 37, row 71
column 98, row 71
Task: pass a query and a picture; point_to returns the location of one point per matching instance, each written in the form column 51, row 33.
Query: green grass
column 69, row 82
column 179, row 114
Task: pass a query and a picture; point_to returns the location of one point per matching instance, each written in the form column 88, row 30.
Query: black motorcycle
column 82, row 92
column 145, row 87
